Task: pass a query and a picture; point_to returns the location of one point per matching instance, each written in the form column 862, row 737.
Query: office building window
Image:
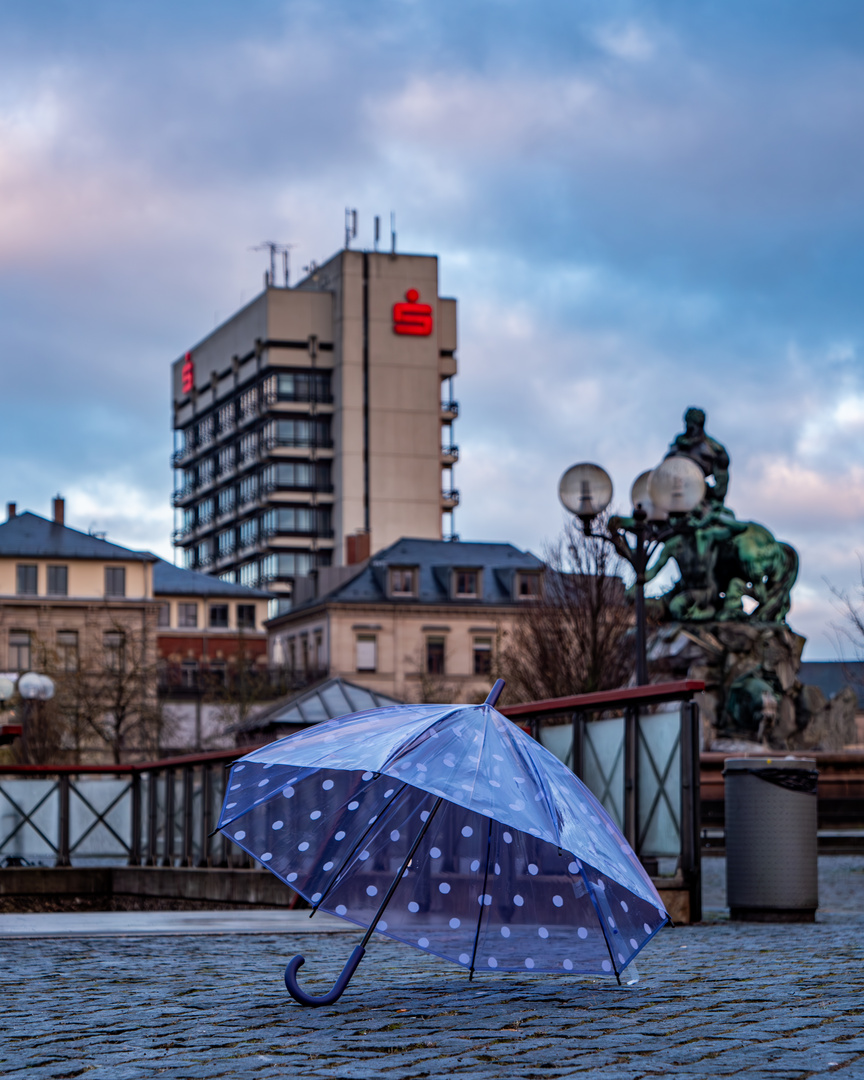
column 206, row 509
column 245, row 616
column 248, row 404
column 248, row 489
column 249, row 574
column 226, row 459
column 225, row 542
column 163, row 615
column 19, row 650
column 401, row 581
column 466, row 584
column 297, row 519
column 58, row 580
column 230, row 576
column 115, row 580
column 367, row 652
column 290, row 564
column 203, row 552
column 187, row 616
column 225, row 420
column 435, row 656
column 299, row 475
column 206, row 471
column 206, row 431
column 483, row 656
column 301, row 432
column 189, row 558
column 67, row 650
column 303, row 386
column 114, row 644
column 26, row 580
column 226, row 500
column 218, row 616
column 248, row 532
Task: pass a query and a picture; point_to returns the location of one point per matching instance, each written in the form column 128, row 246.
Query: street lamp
column 661, row 498
column 33, row 687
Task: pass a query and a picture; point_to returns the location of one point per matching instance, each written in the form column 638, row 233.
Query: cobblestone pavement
column 718, row 999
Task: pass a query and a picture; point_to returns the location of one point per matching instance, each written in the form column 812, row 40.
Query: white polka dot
column 568, row 965
column 229, row 805
column 518, row 805
column 388, row 792
column 529, row 963
column 464, row 958
column 467, row 831
column 328, row 865
column 367, row 776
column 518, row 901
column 394, row 835
column 497, row 869
column 475, row 864
column 424, row 815
column 573, row 868
column 264, row 782
column 485, row 899
column 505, row 931
column 288, row 792
column 558, row 901
column 277, row 825
column 606, row 965
column 341, row 909
column 455, row 924
column 634, row 944
column 646, row 928
column 532, row 868
column 291, row 877
column 315, row 815
column 449, row 761
column 543, row 932
column 444, row 888
column 339, row 835
column 494, row 783
column 241, row 835
column 413, row 907
column 508, row 839
column 434, row 853
column 371, row 890
column 353, row 805
column 423, row 942
column 382, row 925
column 267, row 856
column 327, row 785
column 373, row 819
column 234, row 787
column 270, row 765
column 492, row 962
column 621, row 959
column 535, row 832
column 363, row 856
column 611, row 921
column 582, row 932
column 239, row 768
column 304, row 846
column 316, row 897
column 624, row 906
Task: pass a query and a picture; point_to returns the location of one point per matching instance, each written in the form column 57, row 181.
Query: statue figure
column 708, row 453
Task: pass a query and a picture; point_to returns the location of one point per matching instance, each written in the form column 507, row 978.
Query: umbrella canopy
column 450, row 829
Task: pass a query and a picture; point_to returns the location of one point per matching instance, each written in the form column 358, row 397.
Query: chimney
column 59, row 510
column 357, row 547
column 11, row 510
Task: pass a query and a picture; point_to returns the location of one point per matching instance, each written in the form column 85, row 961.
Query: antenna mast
column 277, row 249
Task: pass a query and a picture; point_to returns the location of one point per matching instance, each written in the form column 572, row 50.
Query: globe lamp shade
column 677, row 485
column 585, row 490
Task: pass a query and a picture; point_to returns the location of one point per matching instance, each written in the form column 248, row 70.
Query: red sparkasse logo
column 188, row 374
column 411, row 317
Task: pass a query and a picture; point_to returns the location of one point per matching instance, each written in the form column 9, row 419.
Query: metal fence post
column 691, row 854
column 631, row 778
column 206, row 814
column 63, row 855
column 168, row 858
column 153, row 818
column 188, row 812
column 135, row 839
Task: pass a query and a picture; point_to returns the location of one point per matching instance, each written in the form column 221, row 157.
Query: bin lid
column 755, row 764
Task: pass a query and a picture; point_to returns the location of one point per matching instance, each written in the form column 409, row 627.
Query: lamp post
column 661, row 499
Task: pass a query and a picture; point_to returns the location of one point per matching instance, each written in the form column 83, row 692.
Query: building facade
column 423, row 620
column 315, row 425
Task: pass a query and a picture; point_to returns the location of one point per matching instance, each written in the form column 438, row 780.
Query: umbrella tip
column 495, row 692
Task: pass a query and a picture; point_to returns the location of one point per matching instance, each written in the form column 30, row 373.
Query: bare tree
column 576, row 636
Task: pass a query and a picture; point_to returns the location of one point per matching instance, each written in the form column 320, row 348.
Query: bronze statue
column 709, row 455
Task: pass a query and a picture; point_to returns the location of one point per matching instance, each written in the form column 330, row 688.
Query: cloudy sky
column 640, row 206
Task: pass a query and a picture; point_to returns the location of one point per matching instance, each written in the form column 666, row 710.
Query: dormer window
column 527, row 585
column 402, row 581
column 466, row 584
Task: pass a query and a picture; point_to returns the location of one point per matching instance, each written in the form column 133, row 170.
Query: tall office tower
column 315, row 425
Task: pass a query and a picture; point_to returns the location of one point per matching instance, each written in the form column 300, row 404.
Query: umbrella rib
column 334, row 881
column 596, row 904
column 394, row 884
column 482, row 901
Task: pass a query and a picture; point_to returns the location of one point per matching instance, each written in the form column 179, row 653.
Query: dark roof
column 832, row 675
column 30, row 536
column 435, row 561
column 171, row 580
column 327, row 700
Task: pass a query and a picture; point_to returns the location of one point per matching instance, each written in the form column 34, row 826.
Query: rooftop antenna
column 377, row 230
column 392, row 232
column 276, row 249
column 350, row 226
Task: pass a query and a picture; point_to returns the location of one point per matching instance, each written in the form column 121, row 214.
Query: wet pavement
column 718, row 999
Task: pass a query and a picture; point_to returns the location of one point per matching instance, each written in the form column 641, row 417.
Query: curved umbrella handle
column 326, row 999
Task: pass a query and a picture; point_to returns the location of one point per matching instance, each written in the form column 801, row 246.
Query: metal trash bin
column 771, row 864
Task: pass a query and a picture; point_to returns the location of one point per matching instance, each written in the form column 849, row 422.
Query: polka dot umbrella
column 448, row 828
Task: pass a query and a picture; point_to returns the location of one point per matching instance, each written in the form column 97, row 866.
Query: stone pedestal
column 753, row 696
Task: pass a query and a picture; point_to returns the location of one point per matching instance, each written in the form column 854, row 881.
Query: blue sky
column 639, row 206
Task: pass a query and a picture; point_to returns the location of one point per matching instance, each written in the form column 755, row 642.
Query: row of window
column 465, row 584
column 57, row 580
column 21, row 649
column 435, row 659
column 287, row 475
column 284, row 565
column 217, row 616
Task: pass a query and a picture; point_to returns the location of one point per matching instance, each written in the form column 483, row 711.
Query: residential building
column 316, row 423
column 421, row 620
